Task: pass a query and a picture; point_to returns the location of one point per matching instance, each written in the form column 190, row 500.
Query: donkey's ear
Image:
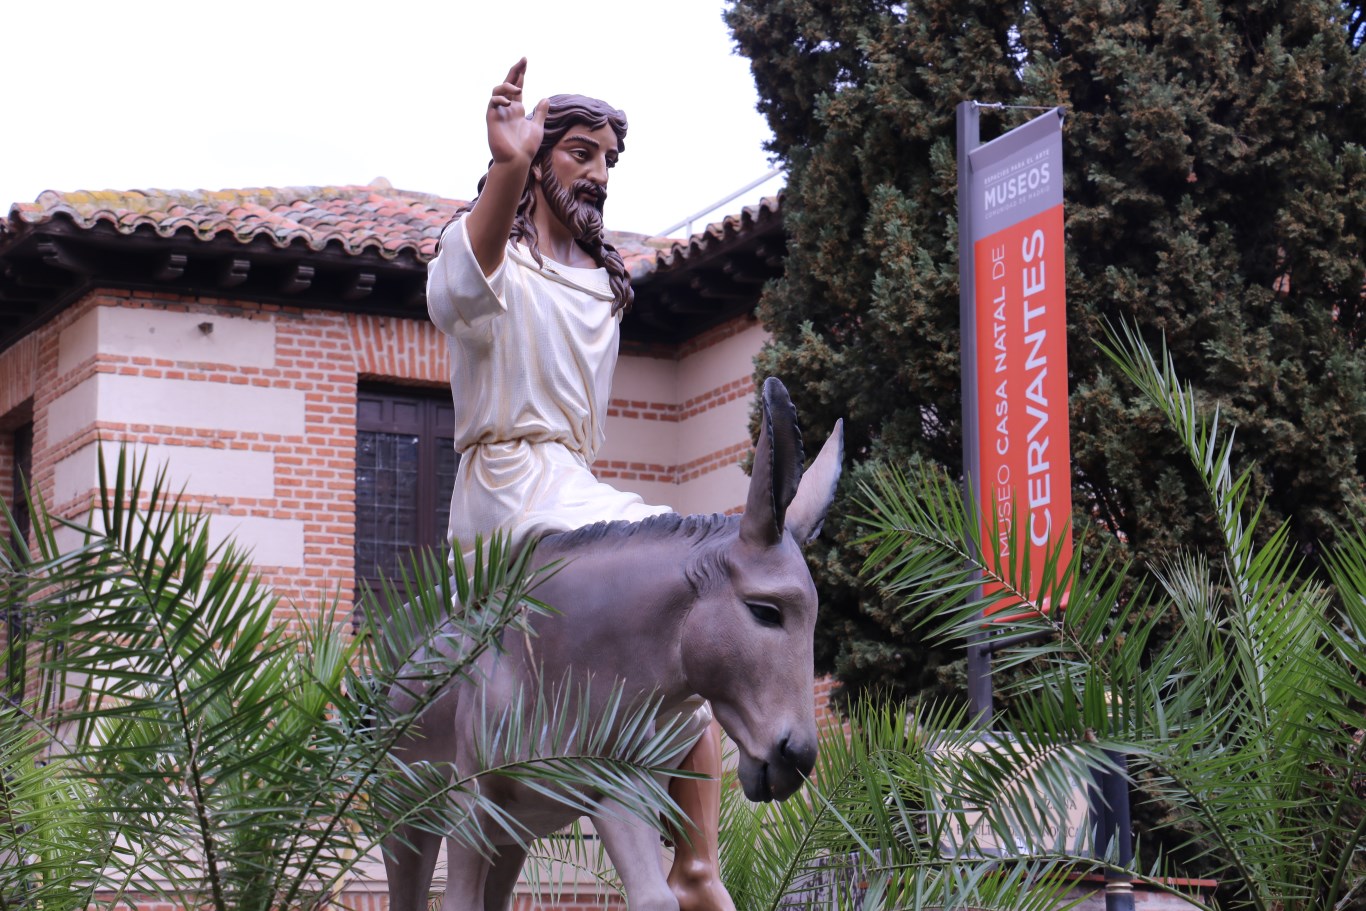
column 777, row 468
column 817, row 489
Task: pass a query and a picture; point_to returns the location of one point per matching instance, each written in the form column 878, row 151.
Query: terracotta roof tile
column 761, row 214
column 372, row 217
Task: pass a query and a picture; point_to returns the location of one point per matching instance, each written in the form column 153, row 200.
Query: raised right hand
column 513, row 137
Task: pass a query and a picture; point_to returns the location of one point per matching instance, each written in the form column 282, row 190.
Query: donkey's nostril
column 799, row 754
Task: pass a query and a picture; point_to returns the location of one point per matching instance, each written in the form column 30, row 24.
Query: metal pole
column 1119, row 888
column 1109, row 798
column 969, row 137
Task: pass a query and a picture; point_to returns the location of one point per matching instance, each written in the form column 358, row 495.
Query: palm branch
column 210, row 744
column 1245, row 725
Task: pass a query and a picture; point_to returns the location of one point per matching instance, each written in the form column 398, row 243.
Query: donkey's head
column 747, row 644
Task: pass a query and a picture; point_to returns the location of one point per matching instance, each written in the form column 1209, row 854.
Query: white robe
column 532, row 351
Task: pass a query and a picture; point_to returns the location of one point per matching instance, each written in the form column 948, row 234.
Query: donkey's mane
column 698, row 529
column 702, row 564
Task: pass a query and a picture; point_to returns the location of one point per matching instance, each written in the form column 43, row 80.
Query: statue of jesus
column 530, row 296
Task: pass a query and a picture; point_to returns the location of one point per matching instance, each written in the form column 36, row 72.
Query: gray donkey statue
column 672, row 608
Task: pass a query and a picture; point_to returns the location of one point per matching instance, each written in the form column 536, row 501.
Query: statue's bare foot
column 698, row 888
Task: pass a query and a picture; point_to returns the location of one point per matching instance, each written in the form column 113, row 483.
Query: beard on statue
column 583, row 217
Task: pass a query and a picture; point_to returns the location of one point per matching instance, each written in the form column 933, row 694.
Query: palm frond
column 1245, row 726
column 221, row 753
column 913, row 813
column 821, row 843
column 51, row 843
column 561, row 867
column 927, row 549
column 595, row 756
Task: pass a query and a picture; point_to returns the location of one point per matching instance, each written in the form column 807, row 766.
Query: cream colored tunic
column 533, row 351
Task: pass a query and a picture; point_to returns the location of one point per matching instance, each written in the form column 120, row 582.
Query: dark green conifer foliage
column 1216, row 194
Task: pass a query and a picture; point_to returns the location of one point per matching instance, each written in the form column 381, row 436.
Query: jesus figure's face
column 573, row 179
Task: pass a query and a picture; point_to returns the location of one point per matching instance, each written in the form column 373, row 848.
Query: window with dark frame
column 405, row 469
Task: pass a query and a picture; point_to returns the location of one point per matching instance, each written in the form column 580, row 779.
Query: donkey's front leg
column 409, row 860
column 633, row 846
column 502, row 878
column 466, row 874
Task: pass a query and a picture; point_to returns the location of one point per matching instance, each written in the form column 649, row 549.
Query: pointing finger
column 515, row 74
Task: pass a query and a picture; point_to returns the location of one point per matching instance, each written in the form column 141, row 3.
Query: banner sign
column 1015, row 387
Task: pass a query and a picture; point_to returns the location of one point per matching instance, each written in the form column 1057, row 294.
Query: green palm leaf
column 219, row 748
column 1244, row 727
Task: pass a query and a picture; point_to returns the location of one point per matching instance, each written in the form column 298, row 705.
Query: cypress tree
column 1216, row 196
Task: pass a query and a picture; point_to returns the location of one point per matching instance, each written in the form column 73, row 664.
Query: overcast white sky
column 179, row 94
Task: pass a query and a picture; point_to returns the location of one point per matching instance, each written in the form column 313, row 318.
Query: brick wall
column 6, row 464
column 589, row 902
column 6, row 472
column 676, row 472
column 250, row 406
column 18, row 377
column 398, row 350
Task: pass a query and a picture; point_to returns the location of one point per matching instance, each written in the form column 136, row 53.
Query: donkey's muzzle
column 788, row 766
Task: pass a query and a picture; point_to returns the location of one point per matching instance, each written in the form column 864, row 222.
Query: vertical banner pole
column 1016, row 447
column 1017, row 457
column 969, row 137
column 1119, row 888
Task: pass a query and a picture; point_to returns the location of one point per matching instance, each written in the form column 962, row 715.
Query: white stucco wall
column 194, row 390
column 184, row 337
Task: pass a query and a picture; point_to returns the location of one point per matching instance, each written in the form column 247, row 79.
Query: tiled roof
column 350, row 247
column 764, row 213
column 374, row 217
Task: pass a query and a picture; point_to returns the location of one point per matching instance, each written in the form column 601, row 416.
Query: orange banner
column 1024, row 477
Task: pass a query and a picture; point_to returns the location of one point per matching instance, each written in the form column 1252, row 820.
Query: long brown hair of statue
column 567, row 111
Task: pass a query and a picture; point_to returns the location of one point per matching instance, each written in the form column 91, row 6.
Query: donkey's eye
column 766, row 614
